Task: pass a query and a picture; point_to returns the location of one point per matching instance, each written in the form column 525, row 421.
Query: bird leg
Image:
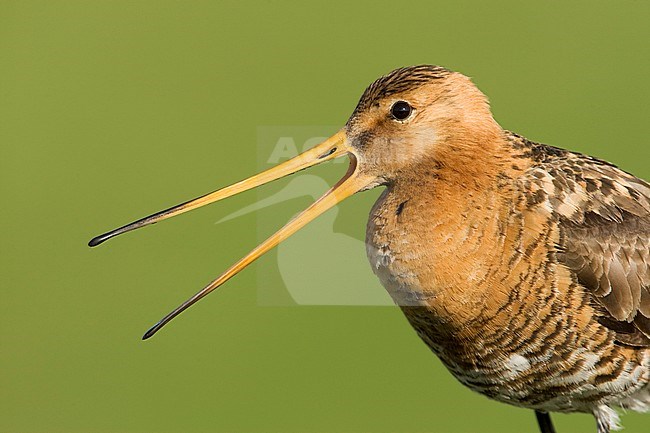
column 544, row 421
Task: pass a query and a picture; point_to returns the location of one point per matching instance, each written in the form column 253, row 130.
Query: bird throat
column 432, row 241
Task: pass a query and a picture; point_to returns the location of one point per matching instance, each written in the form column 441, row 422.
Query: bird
column 524, row 267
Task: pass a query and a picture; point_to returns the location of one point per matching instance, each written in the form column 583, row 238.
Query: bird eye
column 401, row 110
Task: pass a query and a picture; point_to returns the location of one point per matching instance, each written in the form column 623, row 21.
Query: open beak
column 331, row 148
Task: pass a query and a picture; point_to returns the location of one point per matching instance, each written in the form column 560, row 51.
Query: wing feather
column 604, row 215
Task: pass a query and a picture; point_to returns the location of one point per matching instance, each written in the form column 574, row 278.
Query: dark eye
column 401, row 110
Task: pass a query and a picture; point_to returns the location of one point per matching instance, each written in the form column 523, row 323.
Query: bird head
column 408, row 118
column 418, row 116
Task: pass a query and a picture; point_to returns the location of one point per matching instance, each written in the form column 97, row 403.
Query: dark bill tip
column 155, row 328
column 99, row 240
column 147, row 335
column 158, row 326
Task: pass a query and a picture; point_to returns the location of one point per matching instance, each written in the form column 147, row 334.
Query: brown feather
column 604, row 214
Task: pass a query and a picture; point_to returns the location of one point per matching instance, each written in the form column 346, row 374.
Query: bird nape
column 525, row 268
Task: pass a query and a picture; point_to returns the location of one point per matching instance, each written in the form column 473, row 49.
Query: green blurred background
column 110, row 110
